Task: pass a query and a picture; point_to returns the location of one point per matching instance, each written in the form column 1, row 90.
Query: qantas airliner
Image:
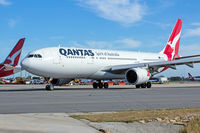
column 9, row 66
column 61, row 64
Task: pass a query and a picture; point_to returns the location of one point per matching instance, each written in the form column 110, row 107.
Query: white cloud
column 76, row 44
column 57, row 37
column 125, row 12
column 192, row 32
column 160, row 24
column 186, row 50
column 5, row 3
column 126, row 43
column 130, row 43
column 99, row 44
column 12, row 22
column 196, row 24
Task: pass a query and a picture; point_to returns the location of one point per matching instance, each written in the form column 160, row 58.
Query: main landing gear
column 100, row 85
column 144, row 85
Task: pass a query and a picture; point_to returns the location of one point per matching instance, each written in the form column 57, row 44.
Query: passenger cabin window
column 35, row 56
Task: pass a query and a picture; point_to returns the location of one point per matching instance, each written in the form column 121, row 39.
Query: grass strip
column 193, row 126
column 137, row 115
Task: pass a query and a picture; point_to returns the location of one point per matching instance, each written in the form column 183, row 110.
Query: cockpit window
column 34, row 55
column 30, row 56
column 39, row 56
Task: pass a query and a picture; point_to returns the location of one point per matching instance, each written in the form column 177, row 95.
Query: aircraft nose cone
column 25, row 64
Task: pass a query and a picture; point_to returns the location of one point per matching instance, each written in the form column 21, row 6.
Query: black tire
column 95, row 85
column 137, row 86
column 143, row 85
column 105, row 85
column 148, row 84
column 100, row 85
column 49, row 87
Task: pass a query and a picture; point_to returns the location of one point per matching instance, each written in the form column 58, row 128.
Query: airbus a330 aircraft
column 9, row 66
column 61, row 64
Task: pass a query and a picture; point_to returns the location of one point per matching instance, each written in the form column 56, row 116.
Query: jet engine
column 137, row 76
column 59, row 82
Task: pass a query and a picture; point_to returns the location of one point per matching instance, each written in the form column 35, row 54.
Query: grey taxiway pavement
column 34, row 99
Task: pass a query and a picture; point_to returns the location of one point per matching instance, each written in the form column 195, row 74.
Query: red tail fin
column 191, row 77
column 172, row 47
column 13, row 57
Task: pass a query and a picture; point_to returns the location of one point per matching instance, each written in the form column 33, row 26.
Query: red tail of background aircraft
column 191, row 77
column 8, row 67
column 196, row 78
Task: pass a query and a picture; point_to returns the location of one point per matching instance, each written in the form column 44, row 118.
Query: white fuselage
column 63, row 62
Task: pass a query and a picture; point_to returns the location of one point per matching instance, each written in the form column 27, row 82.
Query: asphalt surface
column 34, row 99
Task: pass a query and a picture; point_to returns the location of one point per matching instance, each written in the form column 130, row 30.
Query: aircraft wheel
column 105, row 85
column 148, row 84
column 143, row 85
column 49, row 87
column 137, row 86
column 100, row 85
column 95, row 85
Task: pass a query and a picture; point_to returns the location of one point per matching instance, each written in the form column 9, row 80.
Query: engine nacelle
column 59, row 82
column 137, row 75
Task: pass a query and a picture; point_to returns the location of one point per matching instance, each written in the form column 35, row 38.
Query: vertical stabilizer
column 13, row 57
column 172, row 47
column 191, row 77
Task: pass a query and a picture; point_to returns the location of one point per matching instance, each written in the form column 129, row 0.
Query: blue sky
column 134, row 25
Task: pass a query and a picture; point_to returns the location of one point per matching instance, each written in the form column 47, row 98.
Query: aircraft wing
column 153, row 66
column 187, row 57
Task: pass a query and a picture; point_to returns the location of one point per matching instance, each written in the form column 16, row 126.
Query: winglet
column 13, row 57
column 172, row 47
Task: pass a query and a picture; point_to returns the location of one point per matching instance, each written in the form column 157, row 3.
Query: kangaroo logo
column 13, row 57
column 170, row 50
column 171, row 47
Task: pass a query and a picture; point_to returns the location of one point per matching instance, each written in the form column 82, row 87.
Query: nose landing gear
column 49, row 86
